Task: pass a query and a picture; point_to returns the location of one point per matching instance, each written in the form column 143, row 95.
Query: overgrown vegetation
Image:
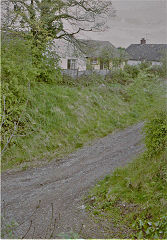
column 136, row 196
column 19, row 74
column 49, row 117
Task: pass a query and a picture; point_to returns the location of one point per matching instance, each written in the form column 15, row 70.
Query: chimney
column 143, row 41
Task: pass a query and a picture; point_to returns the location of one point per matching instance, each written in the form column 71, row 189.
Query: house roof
column 148, row 52
column 94, row 48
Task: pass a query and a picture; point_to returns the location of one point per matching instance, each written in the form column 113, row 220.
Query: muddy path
column 60, row 187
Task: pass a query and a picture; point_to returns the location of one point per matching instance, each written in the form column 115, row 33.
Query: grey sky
column 135, row 19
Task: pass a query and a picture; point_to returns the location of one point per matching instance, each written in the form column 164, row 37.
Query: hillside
column 62, row 117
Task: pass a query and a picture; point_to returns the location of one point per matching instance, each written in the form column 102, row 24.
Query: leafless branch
column 37, row 207
column 27, row 230
column 3, row 116
column 13, row 132
column 54, row 227
column 49, row 226
column 10, row 138
column 84, row 15
column 33, row 233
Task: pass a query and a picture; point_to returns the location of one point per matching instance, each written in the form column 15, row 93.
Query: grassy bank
column 134, row 198
column 61, row 118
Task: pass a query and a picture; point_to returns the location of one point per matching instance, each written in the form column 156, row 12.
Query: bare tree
column 61, row 18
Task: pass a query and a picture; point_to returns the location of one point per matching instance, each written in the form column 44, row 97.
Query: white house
column 85, row 54
column 152, row 53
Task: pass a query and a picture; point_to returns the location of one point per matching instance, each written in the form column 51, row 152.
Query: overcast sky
column 135, row 19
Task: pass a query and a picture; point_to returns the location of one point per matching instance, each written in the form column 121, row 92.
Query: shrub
column 119, row 76
column 154, row 230
column 46, row 65
column 133, row 71
column 144, row 65
column 156, row 70
column 164, row 65
column 156, row 132
column 83, row 80
column 17, row 76
column 90, row 79
column 22, row 65
column 67, row 80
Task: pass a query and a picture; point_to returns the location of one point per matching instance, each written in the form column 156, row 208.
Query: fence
column 75, row 73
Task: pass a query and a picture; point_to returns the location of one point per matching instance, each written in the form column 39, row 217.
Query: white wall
column 67, row 51
column 133, row 62
column 156, row 63
column 81, row 64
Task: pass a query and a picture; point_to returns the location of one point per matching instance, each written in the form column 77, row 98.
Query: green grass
column 135, row 192
column 61, row 118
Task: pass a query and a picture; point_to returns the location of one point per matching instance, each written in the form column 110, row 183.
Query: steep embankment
column 61, row 118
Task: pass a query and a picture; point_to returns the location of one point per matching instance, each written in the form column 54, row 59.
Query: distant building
column 86, row 55
column 152, row 53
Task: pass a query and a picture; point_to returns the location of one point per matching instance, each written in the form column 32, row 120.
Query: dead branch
column 27, row 230
column 14, row 130
column 9, row 140
column 38, row 206
column 54, row 227
column 49, row 226
column 3, row 116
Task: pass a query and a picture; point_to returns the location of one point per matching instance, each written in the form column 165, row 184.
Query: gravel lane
column 62, row 185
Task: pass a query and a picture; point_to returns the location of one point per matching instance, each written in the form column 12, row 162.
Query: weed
column 136, row 195
column 154, row 230
column 7, row 230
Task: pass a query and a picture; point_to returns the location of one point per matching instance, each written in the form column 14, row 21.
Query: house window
column 71, row 64
column 94, row 61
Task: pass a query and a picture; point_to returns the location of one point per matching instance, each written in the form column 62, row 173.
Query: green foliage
column 162, row 70
column 154, row 230
column 119, row 76
column 22, row 66
column 69, row 235
column 156, row 70
column 124, row 76
column 7, row 229
column 17, row 76
column 136, row 195
column 133, row 71
column 116, row 56
column 144, row 65
column 82, row 81
column 67, row 80
column 156, row 132
column 46, row 64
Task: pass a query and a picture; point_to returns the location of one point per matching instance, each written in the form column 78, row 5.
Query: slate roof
column 94, row 48
column 148, row 52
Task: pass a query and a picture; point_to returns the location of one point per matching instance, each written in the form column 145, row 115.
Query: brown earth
column 60, row 187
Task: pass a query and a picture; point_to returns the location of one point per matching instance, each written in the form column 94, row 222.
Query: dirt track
column 63, row 184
